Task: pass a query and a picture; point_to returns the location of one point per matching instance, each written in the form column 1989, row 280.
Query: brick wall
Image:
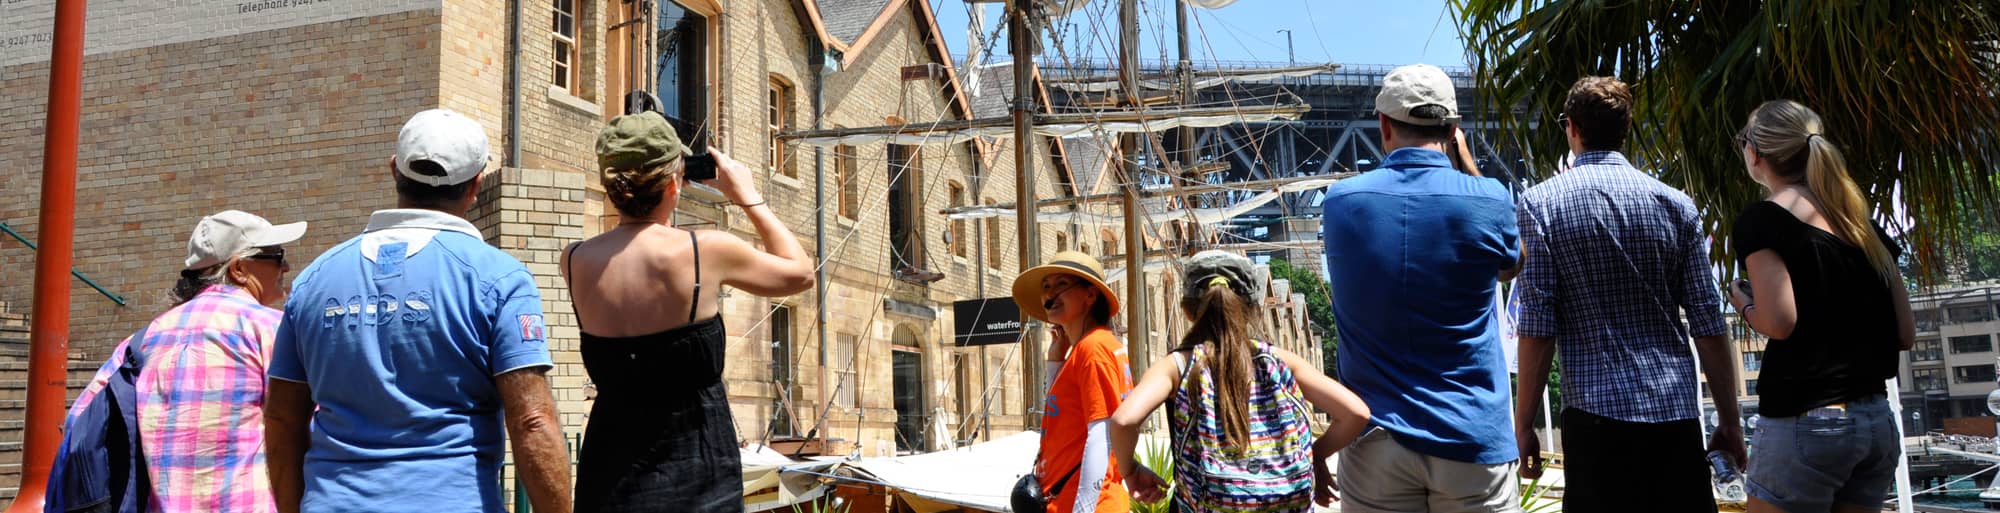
column 294, row 124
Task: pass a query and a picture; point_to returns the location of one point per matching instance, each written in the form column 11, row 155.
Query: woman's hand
column 1325, row 491
column 1737, row 296
column 733, row 179
column 1059, row 344
column 1145, row 485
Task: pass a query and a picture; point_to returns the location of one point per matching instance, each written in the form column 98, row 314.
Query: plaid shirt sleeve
column 1536, row 287
column 1701, row 295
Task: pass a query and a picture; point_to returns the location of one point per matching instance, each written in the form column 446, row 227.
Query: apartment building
column 1950, row 371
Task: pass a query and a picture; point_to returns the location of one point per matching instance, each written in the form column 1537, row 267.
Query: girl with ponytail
column 1241, row 435
column 1824, row 286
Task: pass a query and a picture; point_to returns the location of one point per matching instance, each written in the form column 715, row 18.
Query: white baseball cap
column 1417, row 85
column 229, row 233
column 455, row 143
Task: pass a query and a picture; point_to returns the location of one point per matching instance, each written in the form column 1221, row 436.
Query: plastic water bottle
column 1727, row 481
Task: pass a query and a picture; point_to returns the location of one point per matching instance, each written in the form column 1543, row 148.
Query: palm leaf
column 1907, row 89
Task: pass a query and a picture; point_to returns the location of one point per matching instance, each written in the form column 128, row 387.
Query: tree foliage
column 1319, row 305
column 1907, row 90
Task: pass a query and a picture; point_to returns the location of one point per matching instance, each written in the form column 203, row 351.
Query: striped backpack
column 1272, row 472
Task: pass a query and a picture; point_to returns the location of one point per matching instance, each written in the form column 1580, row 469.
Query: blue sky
column 1341, row 31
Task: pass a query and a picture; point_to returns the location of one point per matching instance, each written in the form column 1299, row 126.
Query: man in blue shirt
column 1615, row 260
column 1413, row 252
column 410, row 341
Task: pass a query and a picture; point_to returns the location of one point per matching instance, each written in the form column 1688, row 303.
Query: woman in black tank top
column 661, row 437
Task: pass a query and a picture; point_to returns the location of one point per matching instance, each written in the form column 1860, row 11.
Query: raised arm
column 782, row 267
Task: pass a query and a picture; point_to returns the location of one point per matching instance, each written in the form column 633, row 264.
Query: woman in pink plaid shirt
column 201, row 383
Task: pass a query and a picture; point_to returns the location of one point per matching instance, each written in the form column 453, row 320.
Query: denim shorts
column 1837, row 454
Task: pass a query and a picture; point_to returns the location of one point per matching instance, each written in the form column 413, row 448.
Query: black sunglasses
column 274, row 254
column 1563, row 119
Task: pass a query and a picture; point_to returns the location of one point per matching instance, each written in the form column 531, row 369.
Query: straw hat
column 1028, row 287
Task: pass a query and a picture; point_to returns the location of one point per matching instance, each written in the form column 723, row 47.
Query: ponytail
column 1839, row 199
column 1223, row 320
column 1791, row 137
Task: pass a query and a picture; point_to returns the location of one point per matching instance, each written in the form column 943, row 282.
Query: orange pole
column 48, row 348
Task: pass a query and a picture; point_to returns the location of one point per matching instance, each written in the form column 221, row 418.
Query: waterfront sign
column 986, row 321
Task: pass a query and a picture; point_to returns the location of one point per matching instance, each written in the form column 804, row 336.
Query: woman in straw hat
column 1242, row 437
column 1088, row 374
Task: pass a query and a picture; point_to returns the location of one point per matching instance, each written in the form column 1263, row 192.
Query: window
column 906, row 242
column 1972, row 374
column 843, row 168
column 1927, row 350
column 562, row 35
column 1109, row 239
column 681, row 68
column 1749, row 387
column 781, row 367
column 1973, row 408
column 1062, row 241
column 1927, row 320
column 956, row 234
column 995, row 251
column 907, row 389
column 1928, row 379
column 1971, row 344
column 844, row 371
column 1753, row 361
column 1974, row 313
column 778, row 114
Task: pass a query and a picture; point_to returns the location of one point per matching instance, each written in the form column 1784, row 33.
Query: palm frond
column 1909, row 90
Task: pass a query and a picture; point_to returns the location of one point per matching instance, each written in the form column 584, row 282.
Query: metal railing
column 72, row 271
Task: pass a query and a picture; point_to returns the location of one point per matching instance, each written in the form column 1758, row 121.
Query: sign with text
column 986, row 321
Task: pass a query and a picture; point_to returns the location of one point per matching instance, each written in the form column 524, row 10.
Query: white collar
column 420, row 218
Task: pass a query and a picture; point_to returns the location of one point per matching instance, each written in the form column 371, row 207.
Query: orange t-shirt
column 1092, row 383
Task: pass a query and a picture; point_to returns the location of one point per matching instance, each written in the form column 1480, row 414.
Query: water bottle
column 1727, row 481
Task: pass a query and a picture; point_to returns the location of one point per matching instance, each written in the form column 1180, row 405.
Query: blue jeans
column 1829, row 455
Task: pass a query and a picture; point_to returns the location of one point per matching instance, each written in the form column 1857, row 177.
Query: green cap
column 637, row 141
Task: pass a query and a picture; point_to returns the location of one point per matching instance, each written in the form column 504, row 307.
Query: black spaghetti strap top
column 660, row 434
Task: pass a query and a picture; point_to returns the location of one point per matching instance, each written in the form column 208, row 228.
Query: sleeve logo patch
column 532, row 327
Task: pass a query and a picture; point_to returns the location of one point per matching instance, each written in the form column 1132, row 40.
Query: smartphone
column 1744, row 285
column 700, row 165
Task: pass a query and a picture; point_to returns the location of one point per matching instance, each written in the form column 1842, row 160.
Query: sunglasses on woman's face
column 275, row 255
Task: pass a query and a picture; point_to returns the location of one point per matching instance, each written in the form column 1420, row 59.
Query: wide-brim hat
column 1028, row 286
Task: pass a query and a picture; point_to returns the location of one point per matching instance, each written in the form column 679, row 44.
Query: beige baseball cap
column 1416, row 85
column 455, row 143
column 220, row 237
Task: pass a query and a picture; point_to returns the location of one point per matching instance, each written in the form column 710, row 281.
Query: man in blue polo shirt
column 411, row 340
column 1413, row 253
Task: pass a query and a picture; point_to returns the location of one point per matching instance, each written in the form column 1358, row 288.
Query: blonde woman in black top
column 1824, row 286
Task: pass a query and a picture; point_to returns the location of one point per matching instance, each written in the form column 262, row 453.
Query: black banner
column 986, row 321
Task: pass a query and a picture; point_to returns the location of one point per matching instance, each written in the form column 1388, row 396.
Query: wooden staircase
column 14, row 394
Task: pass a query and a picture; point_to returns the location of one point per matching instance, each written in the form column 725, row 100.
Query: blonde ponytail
column 1839, row 199
column 1791, row 136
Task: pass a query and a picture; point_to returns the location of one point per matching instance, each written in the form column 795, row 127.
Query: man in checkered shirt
column 1615, row 260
